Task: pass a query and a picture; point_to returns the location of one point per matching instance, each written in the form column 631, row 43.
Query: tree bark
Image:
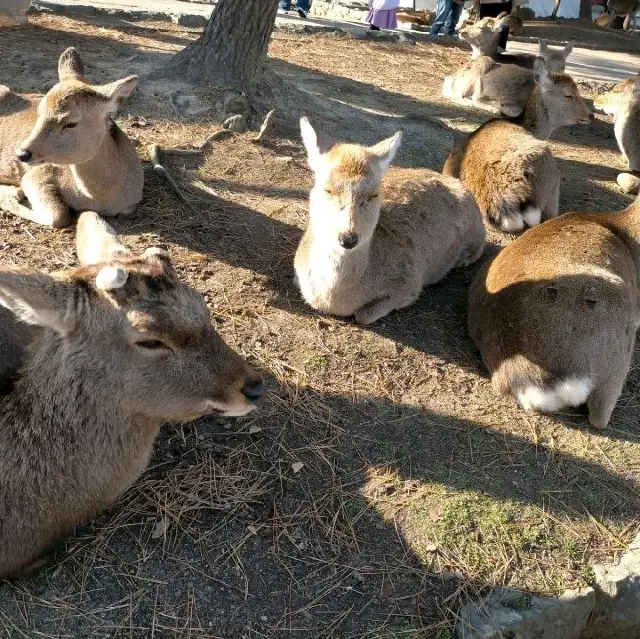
column 231, row 51
column 556, row 6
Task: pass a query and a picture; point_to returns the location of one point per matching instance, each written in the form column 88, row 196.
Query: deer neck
column 101, row 171
column 536, row 118
column 628, row 221
column 72, row 406
column 339, row 268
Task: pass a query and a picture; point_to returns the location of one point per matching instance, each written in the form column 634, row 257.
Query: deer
column 626, row 8
column 489, row 85
column 376, row 236
column 64, row 152
column 623, row 102
column 484, row 36
column 555, row 314
column 507, row 165
column 122, row 345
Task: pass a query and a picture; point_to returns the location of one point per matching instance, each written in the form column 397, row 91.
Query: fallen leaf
column 296, row 467
column 159, row 529
column 254, row 429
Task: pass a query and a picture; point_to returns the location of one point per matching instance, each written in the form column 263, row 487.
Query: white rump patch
column 572, row 391
column 512, row 223
column 532, row 215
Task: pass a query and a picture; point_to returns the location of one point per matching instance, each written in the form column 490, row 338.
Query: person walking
column 382, row 14
column 302, row 6
column 447, row 16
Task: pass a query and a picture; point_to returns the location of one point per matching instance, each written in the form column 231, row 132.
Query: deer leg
column 47, row 207
column 129, row 213
column 612, row 17
column 381, row 306
column 604, row 397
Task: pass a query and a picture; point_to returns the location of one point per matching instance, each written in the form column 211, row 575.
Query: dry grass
column 382, row 480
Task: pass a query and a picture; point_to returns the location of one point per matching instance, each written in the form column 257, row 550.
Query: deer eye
column 69, row 125
column 372, row 197
column 151, row 344
column 329, row 192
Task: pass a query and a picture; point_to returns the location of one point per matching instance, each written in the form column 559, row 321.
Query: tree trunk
column 556, row 6
column 231, row 51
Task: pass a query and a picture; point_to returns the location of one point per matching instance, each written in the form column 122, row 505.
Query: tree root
column 268, row 125
column 159, row 169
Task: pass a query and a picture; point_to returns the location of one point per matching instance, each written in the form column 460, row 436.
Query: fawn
column 510, row 171
column 65, row 151
column 123, row 345
column 623, row 102
column 372, row 244
column 555, row 314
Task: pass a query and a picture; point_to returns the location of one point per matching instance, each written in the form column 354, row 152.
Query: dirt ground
column 382, row 482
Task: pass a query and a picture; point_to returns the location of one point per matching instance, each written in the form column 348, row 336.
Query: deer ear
column 567, row 50
column 70, row 65
column 117, row 92
column 386, row 151
column 310, row 141
column 36, row 298
column 96, row 241
column 541, row 73
column 542, row 44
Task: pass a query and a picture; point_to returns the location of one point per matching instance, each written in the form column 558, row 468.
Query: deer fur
column 623, row 102
column 484, row 35
column 375, row 236
column 512, row 22
column 484, row 83
column 555, row 314
column 627, row 8
column 510, row 171
column 64, row 150
column 123, row 345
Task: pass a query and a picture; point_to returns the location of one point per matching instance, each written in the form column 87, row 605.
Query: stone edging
column 608, row 610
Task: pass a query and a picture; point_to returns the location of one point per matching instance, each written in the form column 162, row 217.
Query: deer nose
column 348, row 240
column 24, row 155
column 592, row 115
column 254, row 390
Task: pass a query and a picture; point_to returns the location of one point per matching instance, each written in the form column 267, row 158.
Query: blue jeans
column 285, row 5
column 447, row 16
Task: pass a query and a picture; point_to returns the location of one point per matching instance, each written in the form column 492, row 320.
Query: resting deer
column 123, row 345
column 484, row 83
column 375, row 236
column 555, row 314
column 484, row 36
column 64, row 150
column 510, row 171
column 623, row 102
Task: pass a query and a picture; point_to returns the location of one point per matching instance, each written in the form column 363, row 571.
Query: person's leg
column 303, row 7
column 504, row 36
column 452, row 20
column 443, row 9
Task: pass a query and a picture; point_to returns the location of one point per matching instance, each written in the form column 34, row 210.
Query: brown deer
column 484, row 37
column 64, row 150
column 623, row 102
column 555, row 314
column 375, row 236
column 123, row 345
column 510, row 171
